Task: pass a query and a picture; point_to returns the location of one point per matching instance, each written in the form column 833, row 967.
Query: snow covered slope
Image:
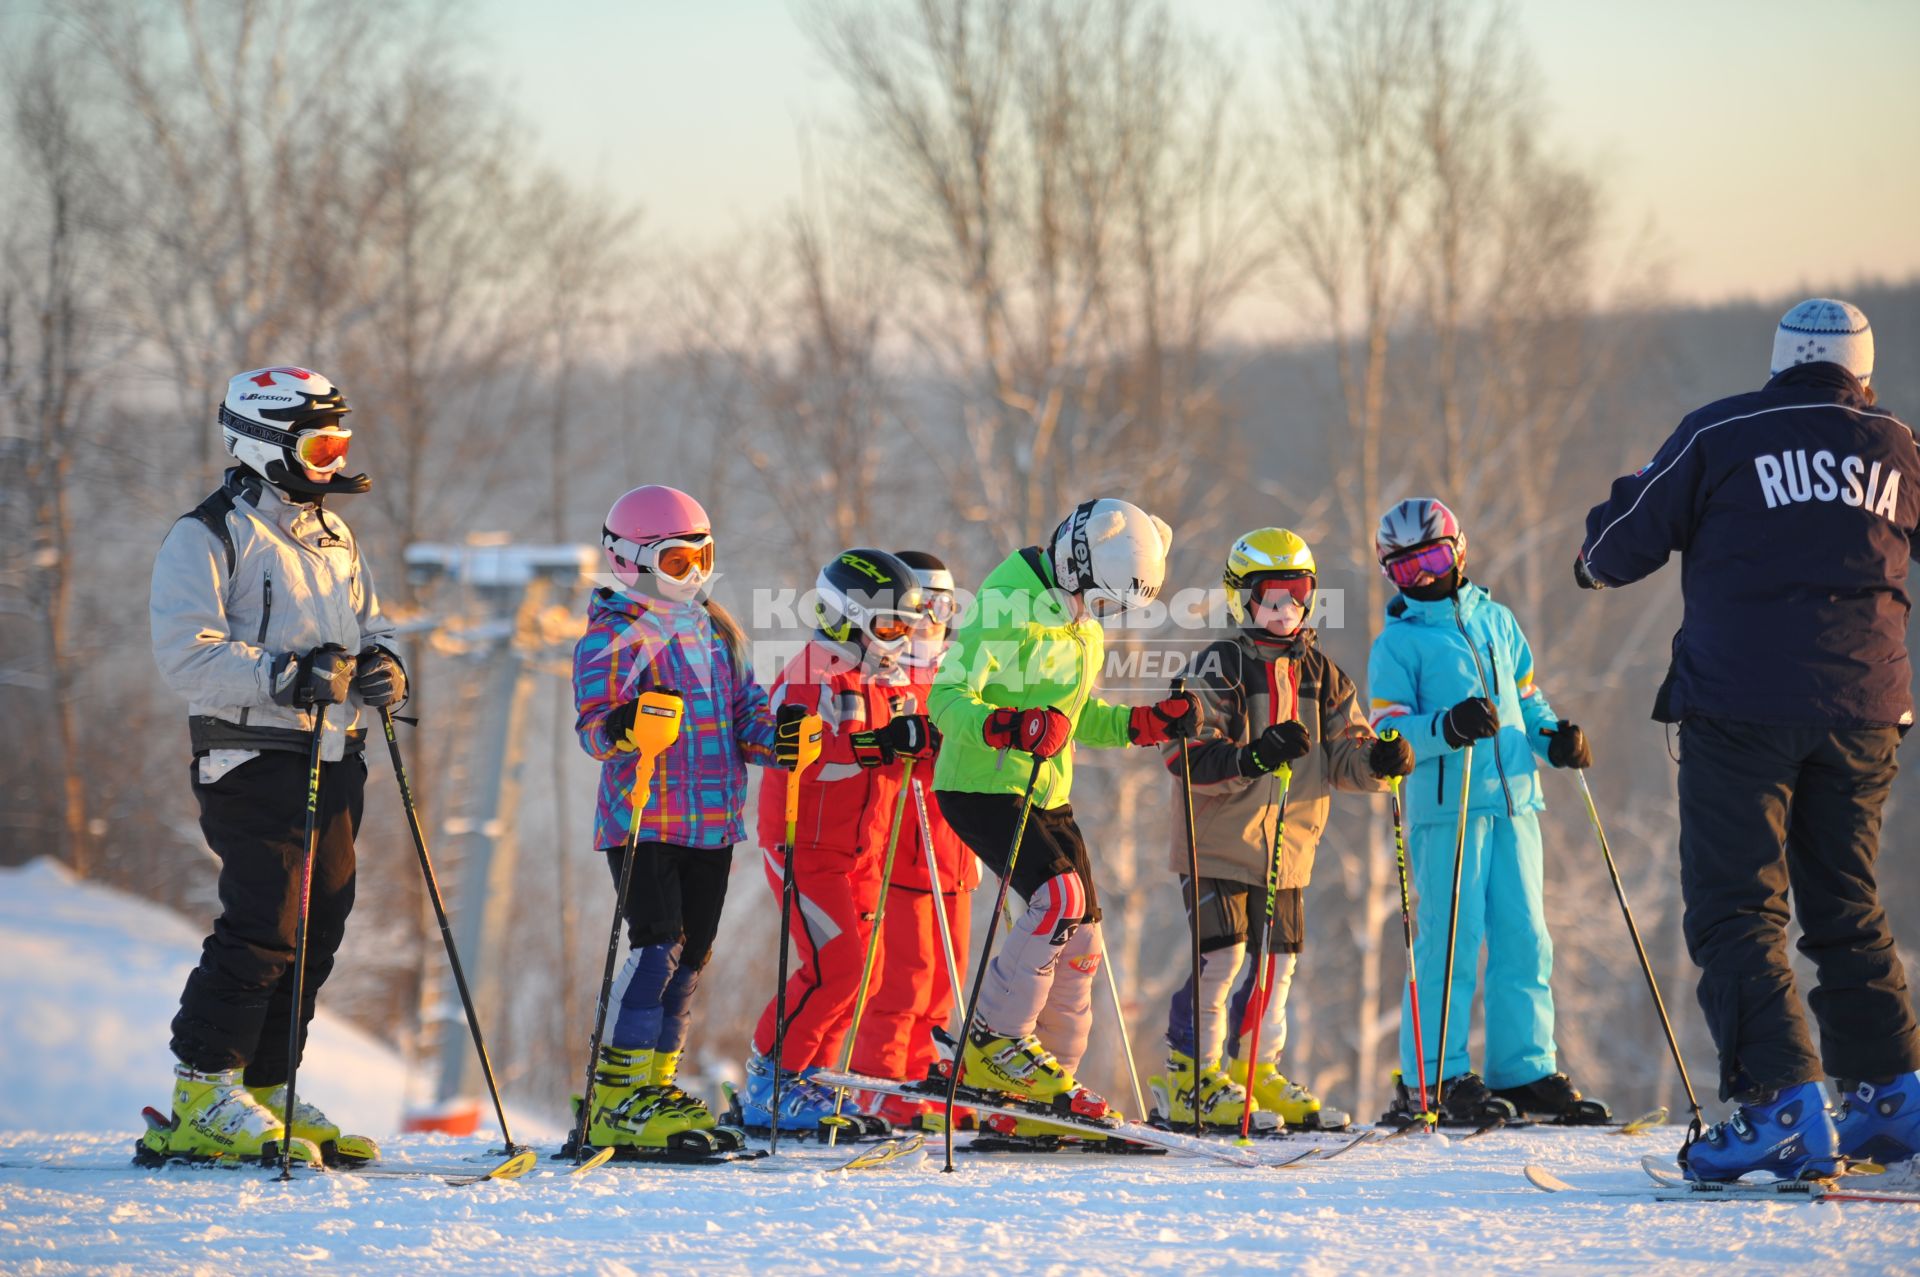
column 89, row 981
column 1401, row 1208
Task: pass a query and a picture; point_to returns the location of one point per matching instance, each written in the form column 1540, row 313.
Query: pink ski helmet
column 645, row 515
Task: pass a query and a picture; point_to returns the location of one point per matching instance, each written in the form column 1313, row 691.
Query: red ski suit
column 845, row 812
column 911, row 995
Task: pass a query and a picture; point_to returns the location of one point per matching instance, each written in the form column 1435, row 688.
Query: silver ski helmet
column 1420, row 540
column 1112, row 554
column 1415, row 522
column 937, row 603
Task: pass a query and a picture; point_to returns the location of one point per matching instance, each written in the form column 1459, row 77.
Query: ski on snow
column 1633, row 1126
column 989, row 1102
column 1669, row 1185
column 503, row 1165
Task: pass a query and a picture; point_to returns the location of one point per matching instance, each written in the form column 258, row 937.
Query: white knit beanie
column 1822, row 330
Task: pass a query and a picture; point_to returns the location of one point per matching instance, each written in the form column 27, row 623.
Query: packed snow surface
column 103, row 971
column 1398, row 1208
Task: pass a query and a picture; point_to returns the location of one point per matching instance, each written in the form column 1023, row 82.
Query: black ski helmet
column 868, row 598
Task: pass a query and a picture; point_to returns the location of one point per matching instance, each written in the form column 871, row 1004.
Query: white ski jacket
column 247, row 578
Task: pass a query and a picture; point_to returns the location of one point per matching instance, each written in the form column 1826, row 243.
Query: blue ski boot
column 1880, row 1121
column 802, row 1103
column 1788, row 1133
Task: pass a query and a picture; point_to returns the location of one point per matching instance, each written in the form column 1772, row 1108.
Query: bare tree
column 1448, row 255
column 54, row 343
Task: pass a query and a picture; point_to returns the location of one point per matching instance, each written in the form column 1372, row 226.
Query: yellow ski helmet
column 1262, row 553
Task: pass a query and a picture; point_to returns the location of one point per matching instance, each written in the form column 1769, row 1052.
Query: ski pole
column 939, row 896
column 873, row 949
column 1453, row 928
column 1698, row 1123
column 446, row 930
column 1262, row 977
column 1406, row 926
column 300, row 934
column 986, row 952
column 810, row 743
column 1193, row 914
column 1120, row 1018
column 656, row 725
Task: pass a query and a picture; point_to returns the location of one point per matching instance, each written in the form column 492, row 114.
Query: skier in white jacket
column 264, row 618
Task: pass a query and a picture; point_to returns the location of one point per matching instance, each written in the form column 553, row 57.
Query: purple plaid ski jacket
column 699, row 789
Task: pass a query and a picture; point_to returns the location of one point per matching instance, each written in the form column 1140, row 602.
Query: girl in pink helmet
column 655, row 629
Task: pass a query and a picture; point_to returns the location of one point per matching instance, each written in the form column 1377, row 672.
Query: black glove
column 787, row 721
column 1280, row 743
column 619, row 721
column 1390, row 757
column 1567, row 746
column 909, row 736
column 1470, row 720
column 323, row 676
column 379, row 679
column 1583, row 575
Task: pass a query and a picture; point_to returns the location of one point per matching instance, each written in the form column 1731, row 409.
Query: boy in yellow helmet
column 1269, row 698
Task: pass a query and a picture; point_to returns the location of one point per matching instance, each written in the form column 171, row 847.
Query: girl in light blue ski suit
column 1452, row 671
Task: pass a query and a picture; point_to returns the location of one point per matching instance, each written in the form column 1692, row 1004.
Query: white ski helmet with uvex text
column 1112, row 554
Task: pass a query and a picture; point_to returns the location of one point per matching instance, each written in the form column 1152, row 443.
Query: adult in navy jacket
column 1794, row 509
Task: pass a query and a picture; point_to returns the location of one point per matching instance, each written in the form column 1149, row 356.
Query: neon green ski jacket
column 1018, row 646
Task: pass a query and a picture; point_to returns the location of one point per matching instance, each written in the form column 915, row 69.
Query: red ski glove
column 1041, row 732
column 1176, row 718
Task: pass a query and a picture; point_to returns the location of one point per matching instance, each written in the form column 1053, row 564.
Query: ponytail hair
column 729, row 630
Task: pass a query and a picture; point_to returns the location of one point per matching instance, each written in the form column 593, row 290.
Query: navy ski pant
column 1769, row 813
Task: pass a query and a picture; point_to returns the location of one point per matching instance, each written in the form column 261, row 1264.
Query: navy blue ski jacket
column 1794, row 509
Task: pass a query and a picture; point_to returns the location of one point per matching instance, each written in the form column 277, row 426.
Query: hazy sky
column 1772, row 145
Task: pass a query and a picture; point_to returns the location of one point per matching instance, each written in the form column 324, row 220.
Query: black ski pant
column 1769, row 813
column 238, row 1005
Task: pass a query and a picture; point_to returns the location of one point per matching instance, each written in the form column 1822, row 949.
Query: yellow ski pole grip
column 656, row 725
column 1393, row 782
column 812, row 735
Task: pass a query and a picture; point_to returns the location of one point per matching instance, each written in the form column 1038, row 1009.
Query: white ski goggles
column 675, row 558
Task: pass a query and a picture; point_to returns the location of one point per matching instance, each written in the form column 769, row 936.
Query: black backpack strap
column 212, row 515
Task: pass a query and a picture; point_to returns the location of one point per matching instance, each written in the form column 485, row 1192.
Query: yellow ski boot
column 666, row 1066
column 1022, row 1068
column 215, row 1116
column 309, row 1123
column 1223, row 1101
column 1296, row 1105
column 626, row 1108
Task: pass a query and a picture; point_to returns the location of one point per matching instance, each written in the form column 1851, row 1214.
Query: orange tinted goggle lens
column 677, row 561
column 889, row 628
column 322, row 449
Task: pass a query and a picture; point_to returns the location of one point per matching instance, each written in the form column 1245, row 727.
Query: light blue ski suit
column 1421, row 667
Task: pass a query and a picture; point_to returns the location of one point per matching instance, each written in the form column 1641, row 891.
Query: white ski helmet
column 281, row 422
column 1112, row 554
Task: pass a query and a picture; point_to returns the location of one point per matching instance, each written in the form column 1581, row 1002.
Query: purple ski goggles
column 1422, row 564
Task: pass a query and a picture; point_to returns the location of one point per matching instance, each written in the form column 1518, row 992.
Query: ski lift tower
column 526, row 596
